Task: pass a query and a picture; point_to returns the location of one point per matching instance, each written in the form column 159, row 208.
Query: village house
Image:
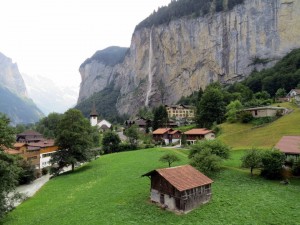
column 294, row 95
column 103, row 124
column 142, row 123
column 29, row 136
column 166, row 135
column 194, row 135
column 180, row 188
column 180, row 111
column 266, row 111
column 289, row 145
column 33, row 147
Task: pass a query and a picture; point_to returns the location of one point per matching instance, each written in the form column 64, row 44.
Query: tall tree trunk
column 73, row 166
column 251, row 171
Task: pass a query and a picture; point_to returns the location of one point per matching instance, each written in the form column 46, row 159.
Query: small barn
column 289, row 145
column 180, row 188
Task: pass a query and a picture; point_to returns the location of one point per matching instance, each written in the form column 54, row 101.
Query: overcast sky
column 53, row 37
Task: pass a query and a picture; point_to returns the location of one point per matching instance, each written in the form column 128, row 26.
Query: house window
column 255, row 112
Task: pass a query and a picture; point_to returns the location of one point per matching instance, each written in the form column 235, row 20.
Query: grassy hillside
column 110, row 190
column 239, row 135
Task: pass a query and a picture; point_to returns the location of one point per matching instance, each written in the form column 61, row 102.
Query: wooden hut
column 180, row 188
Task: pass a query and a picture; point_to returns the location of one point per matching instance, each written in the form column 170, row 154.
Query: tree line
column 180, row 8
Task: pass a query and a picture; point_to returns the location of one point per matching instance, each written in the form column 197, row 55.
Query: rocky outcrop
column 10, row 76
column 173, row 60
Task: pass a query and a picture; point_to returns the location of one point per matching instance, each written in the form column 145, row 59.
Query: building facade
column 180, row 111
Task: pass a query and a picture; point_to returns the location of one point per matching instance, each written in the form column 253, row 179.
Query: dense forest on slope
column 19, row 110
column 180, row 8
column 105, row 102
column 285, row 74
column 110, row 56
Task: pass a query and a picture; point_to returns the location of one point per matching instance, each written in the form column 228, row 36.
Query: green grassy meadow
column 238, row 135
column 110, row 190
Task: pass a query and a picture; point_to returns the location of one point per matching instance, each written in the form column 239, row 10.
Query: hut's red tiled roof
column 161, row 130
column 183, row 177
column 201, row 131
column 174, row 132
column 289, row 144
column 19, row 144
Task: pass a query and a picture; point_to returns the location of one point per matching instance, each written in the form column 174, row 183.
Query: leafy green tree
column 110, row 142
column 215, row 146
column 211, row 108
column 183, row 139
column 272, row 162
column 280, row 93
column 27, row 173
column 206, row 161
column 169, row 158
column 132, row 134
column 232, row 110
column 74, row 140
column 48, row 126
column 252, row 159
column 6, row 132
column 160, row 118
column 9, row 168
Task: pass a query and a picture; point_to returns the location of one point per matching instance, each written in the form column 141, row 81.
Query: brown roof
column 94, row 111
column 161, row 130
column 289, row 144
column 42, row 144
column 19, row 144
column 174, row 132
column 30, row 133
column 201, row 131
column 183, row 177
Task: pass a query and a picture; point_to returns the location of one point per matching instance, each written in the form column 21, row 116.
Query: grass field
column 239, row 135
column 110, row 190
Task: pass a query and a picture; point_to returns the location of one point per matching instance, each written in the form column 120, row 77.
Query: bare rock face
column 170, row 61
column 10, row 76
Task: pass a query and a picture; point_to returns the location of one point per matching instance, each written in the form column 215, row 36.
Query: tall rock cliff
column 169, row 61
column 14, row 101
column 10, row 76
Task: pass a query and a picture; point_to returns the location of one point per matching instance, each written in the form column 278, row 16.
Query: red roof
column 201, row 131
column 183, row 177
column 161, row 130
column 30, row 133
column 289, row 144
column 174, row 132
column 19, row 144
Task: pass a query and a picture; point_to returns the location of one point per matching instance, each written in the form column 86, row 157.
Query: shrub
column 272, row 162
column 45, row 170
column 215, row 146
column 296, row 168
column 206, row 161
column 245, row 117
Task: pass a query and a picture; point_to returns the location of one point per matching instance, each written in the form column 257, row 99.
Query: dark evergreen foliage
column 160, row 119
column 110, row 56
column 285, row 74
column 181, row 8
column 105, row 102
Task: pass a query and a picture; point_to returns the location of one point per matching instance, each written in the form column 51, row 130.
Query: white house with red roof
column 167, row 135
column 194, row 135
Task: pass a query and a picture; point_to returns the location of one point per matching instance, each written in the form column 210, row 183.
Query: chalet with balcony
column 194, row 135
column 166, row 135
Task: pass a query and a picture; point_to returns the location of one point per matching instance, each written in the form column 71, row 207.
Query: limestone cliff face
column 170, row 61
column 10, row 76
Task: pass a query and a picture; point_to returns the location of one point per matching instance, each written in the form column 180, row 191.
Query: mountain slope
column 48, row 96
column 173, row 59
column 19, row 109
column 239, row 135
column 14, row 100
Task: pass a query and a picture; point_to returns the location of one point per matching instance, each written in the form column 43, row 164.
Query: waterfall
column 150, row 75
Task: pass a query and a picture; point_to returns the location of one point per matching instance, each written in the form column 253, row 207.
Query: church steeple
column 94, row 116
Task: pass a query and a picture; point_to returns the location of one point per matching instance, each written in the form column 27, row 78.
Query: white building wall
column 93, row 120
column 45, row 160
column 104, row 122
